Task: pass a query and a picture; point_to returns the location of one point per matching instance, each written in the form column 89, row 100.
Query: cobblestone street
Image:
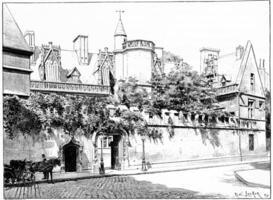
column 218, row 182
column 119, row 187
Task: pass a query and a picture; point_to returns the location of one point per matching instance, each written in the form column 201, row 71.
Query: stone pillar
column 79, row 162
column 124, row 157
column 95, row 168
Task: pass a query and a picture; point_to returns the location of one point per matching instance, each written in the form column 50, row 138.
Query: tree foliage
column 131, row 95
column 183, row 90
column 74, row 114
column 268, row 113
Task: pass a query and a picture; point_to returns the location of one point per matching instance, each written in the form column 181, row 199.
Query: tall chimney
column 50, row 44
column 80, row 45
column 30, row 38
column 239, row 52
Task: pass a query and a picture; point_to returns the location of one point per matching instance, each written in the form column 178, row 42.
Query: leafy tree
column 18, row 118
column 183, row 90
column 130, row 94
column 268, row 117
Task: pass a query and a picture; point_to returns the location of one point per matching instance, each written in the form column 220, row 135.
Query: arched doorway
column 117, row 147
column 115, row 151
column 70, row 158
column 71, row 155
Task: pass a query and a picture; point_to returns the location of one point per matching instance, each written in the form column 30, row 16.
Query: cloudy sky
column 182, row 28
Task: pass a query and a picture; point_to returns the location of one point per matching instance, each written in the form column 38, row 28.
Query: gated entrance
column 115, row 163
column 71, row 155
column 70, row 158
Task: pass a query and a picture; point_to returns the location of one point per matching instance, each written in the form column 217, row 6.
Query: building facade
column 16, row 58
column 74, row 71
column 77, row 71
column 240, row 88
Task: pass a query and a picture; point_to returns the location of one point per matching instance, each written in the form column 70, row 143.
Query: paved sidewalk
column 156, row 168
column 254, row 177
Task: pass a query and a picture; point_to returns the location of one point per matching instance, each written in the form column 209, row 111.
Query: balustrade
column 44, row 86
column 138, row 44
column 227, row 89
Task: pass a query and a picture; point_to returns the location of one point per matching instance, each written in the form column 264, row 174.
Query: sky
column 182, row 28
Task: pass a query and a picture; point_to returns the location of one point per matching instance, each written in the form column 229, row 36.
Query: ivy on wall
column 40, row 113
column 181, row 90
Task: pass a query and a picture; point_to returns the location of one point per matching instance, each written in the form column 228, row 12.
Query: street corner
column 254, row 177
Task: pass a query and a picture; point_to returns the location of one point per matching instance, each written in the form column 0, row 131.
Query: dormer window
column 252, row 82
column 74, row 76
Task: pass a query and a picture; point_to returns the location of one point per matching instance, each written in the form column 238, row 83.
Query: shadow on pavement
column 262, row 166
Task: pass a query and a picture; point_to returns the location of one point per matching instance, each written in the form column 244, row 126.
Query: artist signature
column 251, row 194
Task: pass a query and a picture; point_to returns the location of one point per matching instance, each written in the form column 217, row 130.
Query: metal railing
column 227, row 89
column 44, row 86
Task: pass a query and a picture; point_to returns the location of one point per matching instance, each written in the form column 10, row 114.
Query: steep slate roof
column 120, row 28
column 12, row 35
column 69, row 61
column 229, row 66
column 234, row 68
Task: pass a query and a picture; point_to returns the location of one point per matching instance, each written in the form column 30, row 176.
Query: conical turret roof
column 120, row 28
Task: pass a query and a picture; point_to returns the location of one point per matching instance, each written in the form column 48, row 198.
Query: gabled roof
column 69, row 61
column 72, row 71
column 104, row 58
column 229, row 66
column 248, row 53
column 234, row 68
column 120, row 28
column 12, row 35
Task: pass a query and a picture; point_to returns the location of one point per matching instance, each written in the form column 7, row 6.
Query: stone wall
column 191, row 140
column 190, row 144
column 25, row 147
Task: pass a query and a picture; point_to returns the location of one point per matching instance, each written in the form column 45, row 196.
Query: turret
column 120, row 36
column 209, row 61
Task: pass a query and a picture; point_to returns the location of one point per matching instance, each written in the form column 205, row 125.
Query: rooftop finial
column 120, row 28
column 120, row 11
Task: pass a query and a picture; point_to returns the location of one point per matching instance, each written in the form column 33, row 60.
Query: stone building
column 16, row 58
column 239, row 84
column 77, row 71
column 136, row 58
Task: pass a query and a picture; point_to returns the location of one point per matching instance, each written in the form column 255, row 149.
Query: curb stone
column 240, row 178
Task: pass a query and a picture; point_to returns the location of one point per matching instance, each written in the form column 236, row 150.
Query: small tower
column 209, row 64
column 120, row 35
column 209, row 61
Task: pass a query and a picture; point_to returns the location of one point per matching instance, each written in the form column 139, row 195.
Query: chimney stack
column 30, row 38
column 50, row 44
column 239, row 52
column 80, row 45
